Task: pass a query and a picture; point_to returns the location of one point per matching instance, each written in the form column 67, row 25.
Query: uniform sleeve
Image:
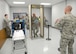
column 4, row 24
column 75, row 26
column 60, row 24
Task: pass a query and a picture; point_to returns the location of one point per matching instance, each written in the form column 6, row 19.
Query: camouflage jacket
column 5, row 23
column 67, row 25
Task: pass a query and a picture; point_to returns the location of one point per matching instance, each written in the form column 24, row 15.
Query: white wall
column 58, row 12
column 4, row 9
column 48, row 15
column 17, row 10
column 58, row 9
column 73, row 4
column 47, row 12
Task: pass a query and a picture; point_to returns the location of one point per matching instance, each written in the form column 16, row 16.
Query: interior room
column 48, row 38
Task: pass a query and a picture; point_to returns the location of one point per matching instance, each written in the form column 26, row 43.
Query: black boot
column 58, row 49
column 25, row 52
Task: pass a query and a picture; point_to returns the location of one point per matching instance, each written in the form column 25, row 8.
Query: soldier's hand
column 57, row 21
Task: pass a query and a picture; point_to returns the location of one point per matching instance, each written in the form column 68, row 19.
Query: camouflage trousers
column 35, row 31
column 8, row 31
column 63, row 45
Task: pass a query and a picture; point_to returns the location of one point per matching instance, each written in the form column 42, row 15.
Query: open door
column 40, row 9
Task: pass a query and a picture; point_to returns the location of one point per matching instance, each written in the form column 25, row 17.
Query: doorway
column 39, row 8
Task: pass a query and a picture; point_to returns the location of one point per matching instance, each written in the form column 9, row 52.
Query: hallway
column 37, row 46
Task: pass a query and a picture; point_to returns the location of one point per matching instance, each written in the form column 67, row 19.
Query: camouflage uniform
column 35, row 25
column 6, row 27
column 27, row 22
column 67, row 25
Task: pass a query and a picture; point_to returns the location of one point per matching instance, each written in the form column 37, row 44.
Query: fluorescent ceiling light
column 18, row 2
column 45, row 3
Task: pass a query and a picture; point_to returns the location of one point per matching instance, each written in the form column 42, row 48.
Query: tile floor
column 37, row 46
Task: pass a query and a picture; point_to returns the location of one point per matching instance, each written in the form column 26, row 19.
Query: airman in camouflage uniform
column 27, row 21
column 67, row 26
column 6, row 25
column 35, row 25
